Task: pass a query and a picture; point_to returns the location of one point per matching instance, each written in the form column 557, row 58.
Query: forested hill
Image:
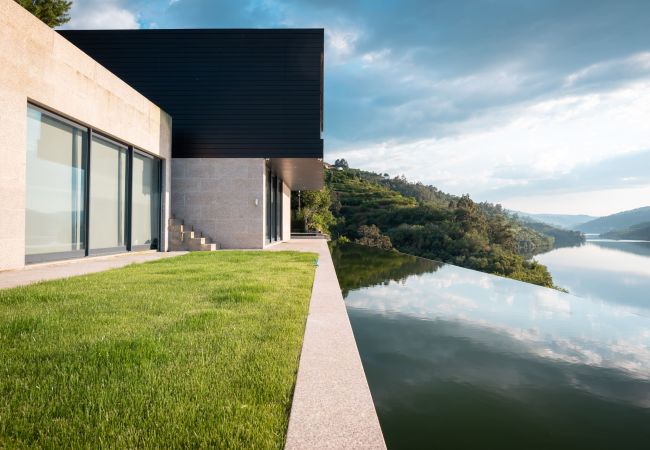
column 421, row 220
column 562, row 237
column 566, row 221
column 639, row 231
column 616, row 221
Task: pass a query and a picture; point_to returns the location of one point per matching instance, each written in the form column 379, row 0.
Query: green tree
column 342, row 163
column 371, row 236
column 421, row 220
column 315, row 210
column 52, row 12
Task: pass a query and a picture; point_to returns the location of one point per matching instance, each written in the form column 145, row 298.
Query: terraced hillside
column 440, row 226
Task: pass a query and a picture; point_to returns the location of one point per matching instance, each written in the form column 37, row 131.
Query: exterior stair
column 183, row 237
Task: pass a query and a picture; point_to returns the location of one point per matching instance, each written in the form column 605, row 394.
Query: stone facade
column 223, row 198
column 38, row 65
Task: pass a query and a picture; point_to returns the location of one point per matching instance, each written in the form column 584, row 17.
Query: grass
column 200, row 350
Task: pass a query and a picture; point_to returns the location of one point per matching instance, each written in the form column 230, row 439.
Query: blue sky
column 543, row 106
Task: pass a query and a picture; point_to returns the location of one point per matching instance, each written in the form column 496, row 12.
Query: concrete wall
column 38, row 65
column 217, row 197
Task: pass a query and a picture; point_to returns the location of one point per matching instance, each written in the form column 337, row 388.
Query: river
column 603, row 270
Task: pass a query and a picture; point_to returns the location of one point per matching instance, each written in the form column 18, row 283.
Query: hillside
column 616, row 221
column 639, row 231
column 562, row 237
column 566, row 221
column 423, row 221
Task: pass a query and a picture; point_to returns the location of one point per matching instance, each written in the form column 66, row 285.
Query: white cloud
column 93, row 15
column 635, row 65
column 520, row 145
column 375, row 57
column 340, row 44
column 596, row 203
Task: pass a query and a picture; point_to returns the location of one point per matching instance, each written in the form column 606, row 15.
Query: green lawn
column 198, row 350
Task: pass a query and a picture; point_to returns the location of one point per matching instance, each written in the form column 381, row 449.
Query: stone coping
column 332, row 405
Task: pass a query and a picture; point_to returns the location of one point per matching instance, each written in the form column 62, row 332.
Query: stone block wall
column 221, row 197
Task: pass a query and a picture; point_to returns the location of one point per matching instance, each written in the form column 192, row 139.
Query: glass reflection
column 107, row 194
column 145, row 220
column 55, row 185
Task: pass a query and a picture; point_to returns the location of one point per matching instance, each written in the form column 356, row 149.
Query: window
column 86, row 199
column 273, row 194
column 145, row 221
column 56, row 161
column 269, row 206
column 107, row 196
column 278, row 207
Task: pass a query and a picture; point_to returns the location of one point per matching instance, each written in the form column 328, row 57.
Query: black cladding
column 230, row 92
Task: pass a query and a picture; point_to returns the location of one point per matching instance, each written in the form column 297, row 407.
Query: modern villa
column 136, row 142
column 108, row 136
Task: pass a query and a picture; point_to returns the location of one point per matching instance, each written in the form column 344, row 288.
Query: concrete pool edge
column 332, row 405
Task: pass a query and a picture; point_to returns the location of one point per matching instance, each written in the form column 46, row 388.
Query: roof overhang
column 300, row 174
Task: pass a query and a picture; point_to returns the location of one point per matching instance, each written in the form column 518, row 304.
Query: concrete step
column 179, row 228
column 196, row 244
column 192, row 235
column 184, row 237
column 175, row 235
column 198, row 241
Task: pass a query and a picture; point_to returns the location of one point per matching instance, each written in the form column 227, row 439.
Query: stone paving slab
column 73, row 267
column 332, row 405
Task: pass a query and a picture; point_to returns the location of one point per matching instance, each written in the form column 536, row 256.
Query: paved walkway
column 73, row 267
column 332, row 406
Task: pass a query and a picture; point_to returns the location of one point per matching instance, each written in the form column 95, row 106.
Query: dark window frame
column 126, row 220
column 273, row 193
column 86, row 157
column 159, row 164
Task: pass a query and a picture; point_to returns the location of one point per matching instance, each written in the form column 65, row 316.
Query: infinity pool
column 460, row 359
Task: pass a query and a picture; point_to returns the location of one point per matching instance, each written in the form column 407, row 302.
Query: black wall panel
column 231, row 93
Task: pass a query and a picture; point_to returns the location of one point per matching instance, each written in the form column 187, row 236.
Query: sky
column 540, row 105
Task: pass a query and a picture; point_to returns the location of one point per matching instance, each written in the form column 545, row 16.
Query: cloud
column 567, row 144
column 475, row 97
column 340, row 44
column 92, row 14
column 615, row 70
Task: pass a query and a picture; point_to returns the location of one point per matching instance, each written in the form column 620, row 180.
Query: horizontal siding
column 231, row 93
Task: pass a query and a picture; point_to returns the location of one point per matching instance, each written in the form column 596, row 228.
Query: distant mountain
column 568, row 221
column 640, row 231
column 618, row 221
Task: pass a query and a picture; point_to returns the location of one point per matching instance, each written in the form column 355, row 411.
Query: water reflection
column 467, row 360
column 363, row 266
column 641, row 248
column 604, row 270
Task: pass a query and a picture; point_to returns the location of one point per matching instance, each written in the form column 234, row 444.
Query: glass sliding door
column 86, row 194
column 269, row 215
column 273, row 213
column 274, row 208
column 278, row 209
column 108, row 168
column 145, row 202
column 56, row 161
